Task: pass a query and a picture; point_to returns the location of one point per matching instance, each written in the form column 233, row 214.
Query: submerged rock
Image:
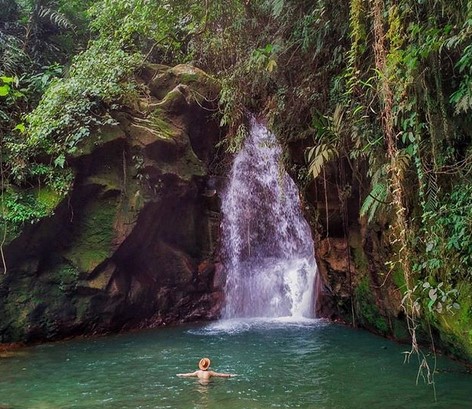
column 125, row 248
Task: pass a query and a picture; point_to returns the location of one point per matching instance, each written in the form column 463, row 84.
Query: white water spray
column 267, row 243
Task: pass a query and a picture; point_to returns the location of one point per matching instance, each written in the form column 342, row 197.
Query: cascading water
column 267, row 243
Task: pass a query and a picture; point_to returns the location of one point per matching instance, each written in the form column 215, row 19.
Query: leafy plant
column 447, row 239
column 440, row 299
column 329, row 133
column 71, row 107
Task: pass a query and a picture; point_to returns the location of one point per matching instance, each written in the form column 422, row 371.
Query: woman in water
column 203, row 373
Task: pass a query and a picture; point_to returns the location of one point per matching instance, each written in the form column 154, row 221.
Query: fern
column 432, row 200
column 56, row 18
column 401, row 161
column 13, row 58
column 462, row 97
column 277, row 7
column 318, row 156
column 375, row 201
column 337, row 121
column 329, row 130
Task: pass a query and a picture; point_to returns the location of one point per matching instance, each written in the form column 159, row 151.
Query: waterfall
column 267, row 248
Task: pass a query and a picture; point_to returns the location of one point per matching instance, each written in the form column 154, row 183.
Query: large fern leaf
column 12, row 56
column 318, row 156
column 432, row 200
column 375, row 201
column 56, row 18
column 277, row 7
column 337, row 123
column 402, row 161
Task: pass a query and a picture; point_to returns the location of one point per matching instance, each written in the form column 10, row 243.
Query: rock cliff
column 132, row 244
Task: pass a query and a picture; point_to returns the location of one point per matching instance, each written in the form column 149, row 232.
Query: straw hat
column 204, row 364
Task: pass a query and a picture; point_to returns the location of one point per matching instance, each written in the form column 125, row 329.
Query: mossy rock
column 399, row 279
column 455, row 326
column 156, row 127
column 367, row 311
column 161, row 125
column 99, row 138
column 184, row 74
column 94, row 235
column 25, row 207
column 94, row 265
column 175, row 101
column 34, row 308
column 360, row 260
column 48, row 198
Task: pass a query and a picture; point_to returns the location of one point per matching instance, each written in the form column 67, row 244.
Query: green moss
column 62, row 277
column 48, row 198
column 161, row 126
column 38, row 301
column 455, row 327
column 400, row 330
column 399, row 279
column 171, row 98
column 188, row 74
column 188, row 77
column 188, row 164
column 360, row 260
column 93, row 239
column 367, row 311
column 104, row 135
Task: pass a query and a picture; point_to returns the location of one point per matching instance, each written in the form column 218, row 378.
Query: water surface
column 308, row 364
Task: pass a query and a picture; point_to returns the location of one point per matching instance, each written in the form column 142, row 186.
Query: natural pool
column 310, row 364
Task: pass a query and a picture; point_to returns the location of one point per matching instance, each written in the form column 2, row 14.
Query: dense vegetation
column 379, row 89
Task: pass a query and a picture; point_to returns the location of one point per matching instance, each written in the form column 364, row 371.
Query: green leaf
column 20, row 127
column 430, row 305
column 318, row 156
column 374, row 201
column 60, row 161
column 4, row 90
column 271, row 65
column 7, row 80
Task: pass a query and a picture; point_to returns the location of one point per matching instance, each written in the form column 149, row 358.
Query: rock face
column 356, row 285
column 133, row 243
column 359, row 281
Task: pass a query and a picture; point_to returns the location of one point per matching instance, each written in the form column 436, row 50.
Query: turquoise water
column 280, row 365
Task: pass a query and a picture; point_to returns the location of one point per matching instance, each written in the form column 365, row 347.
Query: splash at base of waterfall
column 267, row 244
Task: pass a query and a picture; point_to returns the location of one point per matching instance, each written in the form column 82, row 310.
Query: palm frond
column 318, row 156
column 277, row 7
column 56, row 18
column 375, row 201
column 337, row 121
column 12, row 56
column 329, row 131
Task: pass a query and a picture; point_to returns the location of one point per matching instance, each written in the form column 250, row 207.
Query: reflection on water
column 280, row 364
column 202, row 386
